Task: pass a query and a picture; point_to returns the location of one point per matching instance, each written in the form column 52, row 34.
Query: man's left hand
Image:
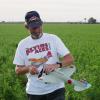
column 50, row 67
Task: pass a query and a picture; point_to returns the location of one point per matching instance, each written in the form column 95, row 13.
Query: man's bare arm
column 67, row 60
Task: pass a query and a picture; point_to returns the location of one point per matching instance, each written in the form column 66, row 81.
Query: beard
column 36, row 35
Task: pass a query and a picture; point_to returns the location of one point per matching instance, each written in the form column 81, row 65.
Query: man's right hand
column 22, row 69
column 33, row 70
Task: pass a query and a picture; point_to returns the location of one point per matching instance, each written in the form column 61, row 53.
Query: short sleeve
column 19, row 56
column 62, row 50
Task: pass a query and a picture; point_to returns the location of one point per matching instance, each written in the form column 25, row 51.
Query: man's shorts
column 58, row 94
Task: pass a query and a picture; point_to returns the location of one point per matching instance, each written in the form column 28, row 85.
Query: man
column 41, row 51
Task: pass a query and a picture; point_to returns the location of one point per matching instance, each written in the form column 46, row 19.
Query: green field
column 83, row 40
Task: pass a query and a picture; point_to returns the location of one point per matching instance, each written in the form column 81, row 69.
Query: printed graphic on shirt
column 40, row 61
column 38, row 48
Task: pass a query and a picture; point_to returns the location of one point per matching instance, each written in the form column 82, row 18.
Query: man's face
column 36, row 32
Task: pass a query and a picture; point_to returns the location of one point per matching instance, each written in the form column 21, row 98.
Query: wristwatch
column 59, row 64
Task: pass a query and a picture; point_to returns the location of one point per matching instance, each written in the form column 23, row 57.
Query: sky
column 50, row 10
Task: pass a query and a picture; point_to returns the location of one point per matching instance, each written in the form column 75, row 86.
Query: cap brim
column 35, row 24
